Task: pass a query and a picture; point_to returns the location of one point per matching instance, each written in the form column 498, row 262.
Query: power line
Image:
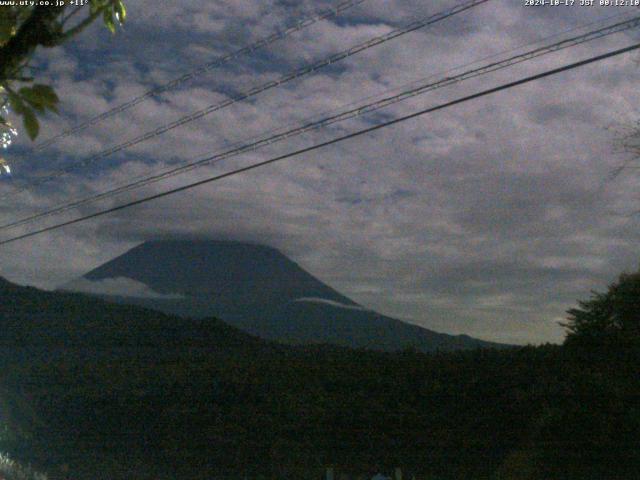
column 327, row 143
column 248, row 49
column 339, row 117
column 344, row 116
column 415, row 25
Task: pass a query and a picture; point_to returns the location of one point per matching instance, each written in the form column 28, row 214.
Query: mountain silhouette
column 257, row 289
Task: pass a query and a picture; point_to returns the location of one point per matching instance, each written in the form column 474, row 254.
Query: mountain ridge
column 258, row 289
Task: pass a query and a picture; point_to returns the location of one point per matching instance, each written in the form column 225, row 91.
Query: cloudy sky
column 490, row 218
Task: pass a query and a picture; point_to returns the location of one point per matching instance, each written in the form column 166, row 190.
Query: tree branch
column 80, row 26
column 40, row 28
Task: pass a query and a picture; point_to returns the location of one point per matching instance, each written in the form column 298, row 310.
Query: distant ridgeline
column 257, row 289
column 92, row 390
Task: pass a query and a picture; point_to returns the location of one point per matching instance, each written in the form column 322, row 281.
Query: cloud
column 333, row 303
column 490, row 218
column 118, row 287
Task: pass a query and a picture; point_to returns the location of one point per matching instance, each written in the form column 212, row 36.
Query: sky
column 490, row 218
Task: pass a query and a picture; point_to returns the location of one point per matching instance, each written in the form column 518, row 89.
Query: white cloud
column 333, row 303
column 118, row 287
column 431, row 220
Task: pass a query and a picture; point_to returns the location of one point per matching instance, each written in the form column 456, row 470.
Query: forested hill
column 30, row 317
column 95, row 390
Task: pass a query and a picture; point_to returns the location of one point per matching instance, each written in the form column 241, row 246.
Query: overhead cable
column 358, row 133
column 207, row 67
column 339, row 117
column 296, row 74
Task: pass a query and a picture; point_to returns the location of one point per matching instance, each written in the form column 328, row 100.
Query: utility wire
column 358, row 133
column 248, row 49
column 339, row 117
column 415, row 25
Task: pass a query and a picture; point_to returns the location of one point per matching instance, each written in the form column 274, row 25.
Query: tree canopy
column 24, row 28
column 608, row 318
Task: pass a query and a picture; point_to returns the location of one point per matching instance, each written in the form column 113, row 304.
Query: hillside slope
column 257, row 289
column 90, row 390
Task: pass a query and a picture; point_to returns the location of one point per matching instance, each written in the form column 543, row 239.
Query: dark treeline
column 94, row 390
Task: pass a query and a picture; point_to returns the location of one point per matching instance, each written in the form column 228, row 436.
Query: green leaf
column 30, row 123
column 108, row 21
column 7, row 25
column 46, row 92
column 94, row 6
column 121, row 11
column 16, row 103
column 40, row 97
column 29, row 119
column 32, row 99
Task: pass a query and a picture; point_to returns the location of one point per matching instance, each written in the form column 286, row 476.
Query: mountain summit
column 255, row 288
